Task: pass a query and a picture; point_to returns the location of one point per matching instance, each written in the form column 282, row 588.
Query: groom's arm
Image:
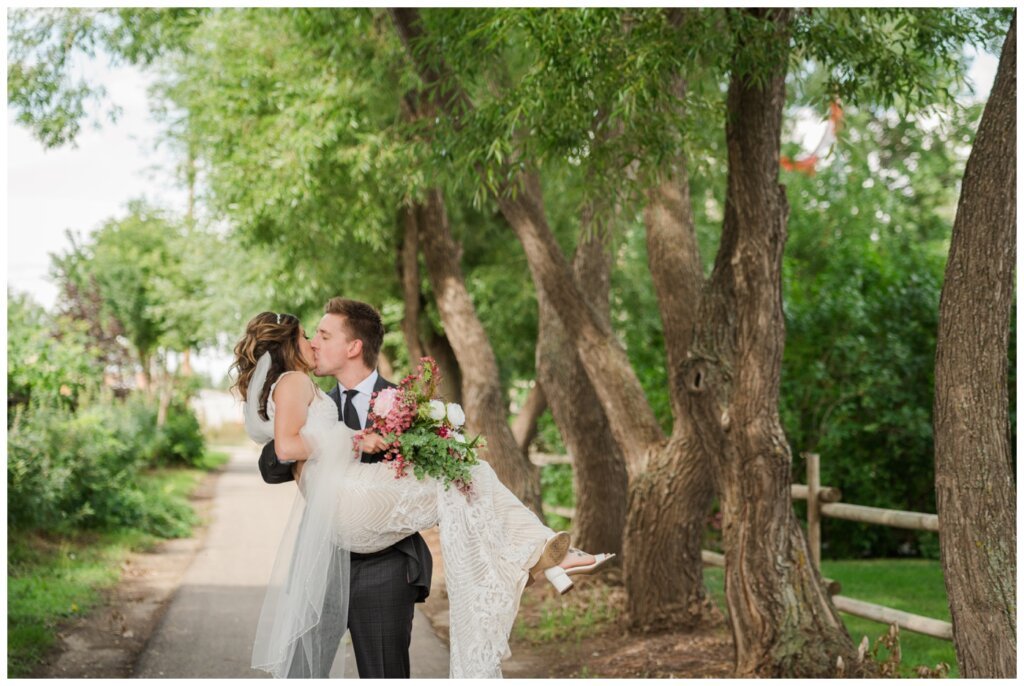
column 271, row 469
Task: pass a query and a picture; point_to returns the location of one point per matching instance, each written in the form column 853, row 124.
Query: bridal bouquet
column 423, row 432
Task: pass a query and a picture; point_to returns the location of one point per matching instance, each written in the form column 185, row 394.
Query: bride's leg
column 549, row 549
column 523, row 528
column 376, row 510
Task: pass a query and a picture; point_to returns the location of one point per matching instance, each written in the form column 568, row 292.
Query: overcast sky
column 50, row 191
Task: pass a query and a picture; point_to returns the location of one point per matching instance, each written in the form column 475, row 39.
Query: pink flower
column 443, row 431
column 385, row 402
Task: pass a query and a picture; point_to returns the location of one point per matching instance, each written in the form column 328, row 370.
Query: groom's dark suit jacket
column 420, row 563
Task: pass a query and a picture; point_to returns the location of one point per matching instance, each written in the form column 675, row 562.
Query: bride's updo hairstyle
column 277, row 334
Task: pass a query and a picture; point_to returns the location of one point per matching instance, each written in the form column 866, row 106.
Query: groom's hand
column 271, row 469
column 372, row 443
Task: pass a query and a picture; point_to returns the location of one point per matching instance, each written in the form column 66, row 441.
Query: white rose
column 458, row 437
column 455, row 415
column 436, row 410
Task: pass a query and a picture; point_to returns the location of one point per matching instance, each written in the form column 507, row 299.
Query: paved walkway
column 209, row 628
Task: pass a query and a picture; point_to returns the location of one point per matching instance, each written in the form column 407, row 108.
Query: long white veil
column 298, row 632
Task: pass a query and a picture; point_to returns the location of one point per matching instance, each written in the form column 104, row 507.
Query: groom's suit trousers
column 381, row 606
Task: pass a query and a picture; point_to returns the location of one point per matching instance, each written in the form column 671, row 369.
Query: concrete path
column 209, row 628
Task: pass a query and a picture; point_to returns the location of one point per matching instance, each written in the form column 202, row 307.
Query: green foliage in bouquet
column 424, row 432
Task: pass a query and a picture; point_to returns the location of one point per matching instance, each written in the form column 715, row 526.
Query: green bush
column 180, row 439
column 858, row 387
column 82, row 469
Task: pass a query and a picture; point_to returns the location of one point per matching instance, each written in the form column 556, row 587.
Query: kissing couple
column 351, row 557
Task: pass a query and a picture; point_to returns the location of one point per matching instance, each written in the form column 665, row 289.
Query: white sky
column 50, row 191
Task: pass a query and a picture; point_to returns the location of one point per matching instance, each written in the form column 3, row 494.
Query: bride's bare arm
column 292, row 397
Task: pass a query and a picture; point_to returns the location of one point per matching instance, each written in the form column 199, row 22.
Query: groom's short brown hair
column 362, row 321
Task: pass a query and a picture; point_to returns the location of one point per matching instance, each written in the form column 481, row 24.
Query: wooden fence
column 823, row 501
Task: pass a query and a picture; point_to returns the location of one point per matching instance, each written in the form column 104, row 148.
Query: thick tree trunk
column 384, row 366
column 678, row 484
column 782, row 619
column 974, row 484
column 599, row 471
column 669, row 501
column 486, row 409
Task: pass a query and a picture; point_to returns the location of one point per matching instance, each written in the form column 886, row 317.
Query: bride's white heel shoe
column 559, row 577
column 555, row 550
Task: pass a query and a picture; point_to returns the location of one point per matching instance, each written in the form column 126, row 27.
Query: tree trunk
column 435, row 345
column 524, row 426
column 384, row 366
column 409, row 274
column 974, row 482
column 163, row 392
column 440, row 348
column 678, row 484
column 782, row 619
column 599, row 470
column 144, row 377
column 486, row 409
column 630, row 417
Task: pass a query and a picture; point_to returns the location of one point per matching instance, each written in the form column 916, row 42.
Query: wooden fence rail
column 822, row 501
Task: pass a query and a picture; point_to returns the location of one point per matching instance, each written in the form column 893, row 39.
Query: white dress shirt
column 361, row 400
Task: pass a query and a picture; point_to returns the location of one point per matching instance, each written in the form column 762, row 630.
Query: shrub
column 81, row 469
column 180, row 439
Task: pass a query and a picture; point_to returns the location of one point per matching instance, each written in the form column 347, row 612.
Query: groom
column 384, row 586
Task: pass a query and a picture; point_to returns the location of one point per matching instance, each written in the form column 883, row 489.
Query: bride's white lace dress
column 488, row 540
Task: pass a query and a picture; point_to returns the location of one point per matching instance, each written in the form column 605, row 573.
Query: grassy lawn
column 910, row 585
column 52, row 577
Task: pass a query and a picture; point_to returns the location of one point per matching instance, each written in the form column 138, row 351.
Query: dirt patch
column 581, row 634
column 107, row 641
column 582, row 637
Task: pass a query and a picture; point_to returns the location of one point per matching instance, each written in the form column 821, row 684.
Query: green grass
column 910, row 585
column 568, row 618
column 54, row 577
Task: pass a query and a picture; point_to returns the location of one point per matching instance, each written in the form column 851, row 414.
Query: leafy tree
column 50, row 361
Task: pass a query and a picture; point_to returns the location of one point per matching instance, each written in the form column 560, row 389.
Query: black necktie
column 351, row 416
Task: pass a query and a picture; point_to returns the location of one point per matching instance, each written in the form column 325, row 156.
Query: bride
column 492, row 544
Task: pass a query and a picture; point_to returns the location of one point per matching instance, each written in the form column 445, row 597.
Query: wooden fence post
column 814, row 507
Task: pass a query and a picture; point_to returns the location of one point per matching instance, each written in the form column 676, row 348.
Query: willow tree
column 669, row 495
column 310, row 158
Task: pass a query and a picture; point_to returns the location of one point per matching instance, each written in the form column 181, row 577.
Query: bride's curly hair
column 277, row 334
